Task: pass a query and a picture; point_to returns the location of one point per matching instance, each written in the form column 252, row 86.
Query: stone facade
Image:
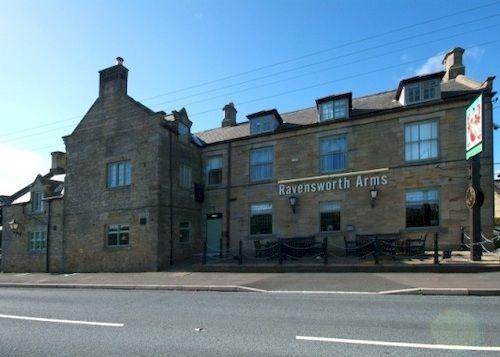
column 138, row 197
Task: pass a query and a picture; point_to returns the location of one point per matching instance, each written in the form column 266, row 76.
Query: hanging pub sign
column 474, row 128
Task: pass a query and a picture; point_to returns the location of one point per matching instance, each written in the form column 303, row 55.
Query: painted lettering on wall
column 341, row 183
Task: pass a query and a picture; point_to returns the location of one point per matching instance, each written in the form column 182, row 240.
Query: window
column 333, row 154
column 336, row 109
column 421, row 141
column 261, row 125
column 422, row 208
column 214, row 170
column 185, row 176
column 183, row 130
column 261, row 218
column 329, row 216
column 119, row 174
column 37, row 242
column 36, row 202
column 118, row 235
column 261, row 164
column 422, row 91
column 184, row 232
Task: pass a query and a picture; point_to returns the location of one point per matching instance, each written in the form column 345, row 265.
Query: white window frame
column 120, row 229
column 422, row 91
column 427, row 148
column 37, row 241
column 334, row 109
column 37, row 202
column 331, row 154
column 185, row 173
column 119, row 174
column 261, row 170
column 214, row 164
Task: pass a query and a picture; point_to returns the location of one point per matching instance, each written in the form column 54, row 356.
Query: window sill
column 262, row 236
column 114, row 188
column 118, row 247
column 436, row 229
column 422, row 162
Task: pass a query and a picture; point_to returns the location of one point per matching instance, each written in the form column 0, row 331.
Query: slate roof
column 360, row 106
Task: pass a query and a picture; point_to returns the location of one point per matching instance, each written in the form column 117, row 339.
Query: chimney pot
column 119, row 60
column 229, row 115
column 452, row 63
column 58, row 162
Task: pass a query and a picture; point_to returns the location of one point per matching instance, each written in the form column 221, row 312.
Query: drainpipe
column 171, row 204
column 47, row 255
column 228, row 198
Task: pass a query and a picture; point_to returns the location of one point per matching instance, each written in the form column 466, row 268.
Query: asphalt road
column 162, row 323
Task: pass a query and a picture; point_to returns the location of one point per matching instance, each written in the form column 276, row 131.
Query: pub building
column 141, row 192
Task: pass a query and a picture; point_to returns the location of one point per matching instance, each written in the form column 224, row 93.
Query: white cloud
column 475, row 53
column 433, row 64
column 19, row 167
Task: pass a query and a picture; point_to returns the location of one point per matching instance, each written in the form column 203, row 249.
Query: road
column 77, row 322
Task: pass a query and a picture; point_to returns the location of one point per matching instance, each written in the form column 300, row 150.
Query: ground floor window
column 38, row 241
column 422, row 208
column 184, row 232
column 261, row 218
column 329, row 216
column 118, row 235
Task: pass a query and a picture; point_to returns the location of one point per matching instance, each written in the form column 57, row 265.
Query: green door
column 214, row 233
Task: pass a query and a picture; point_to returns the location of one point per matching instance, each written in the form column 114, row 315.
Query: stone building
column 142, row 192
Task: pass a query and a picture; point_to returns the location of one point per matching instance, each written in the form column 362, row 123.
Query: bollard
column 280, row 248
column 436, row 252
column 462, row 238
column 376, row 251
column 220, row 247
column 325, row 250
column 204, row 257
column 241, row 252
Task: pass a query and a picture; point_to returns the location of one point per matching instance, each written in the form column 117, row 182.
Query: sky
column 203, row 54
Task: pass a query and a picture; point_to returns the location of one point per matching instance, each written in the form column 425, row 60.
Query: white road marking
column 399, row 344
column 76, row 322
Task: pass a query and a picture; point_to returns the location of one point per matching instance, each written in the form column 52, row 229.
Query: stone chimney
column 58, row 162
column 452, row 63
column 229, row 115
column 113, row 80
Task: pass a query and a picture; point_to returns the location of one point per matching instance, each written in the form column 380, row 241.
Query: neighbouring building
column 141, row 192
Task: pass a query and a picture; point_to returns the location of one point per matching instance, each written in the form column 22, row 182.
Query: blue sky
column 202, row 54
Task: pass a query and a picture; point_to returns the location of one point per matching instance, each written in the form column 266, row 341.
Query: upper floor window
column 37, row 241
column 422, row 208
column 261, row 164
column 118, row 235
column 185, row 176
column 334, row 109
column 422, row 91
column 421, row 140
column 37, row 202
column 261, row 125
column 214, row 170
column 119, row 174
column 261, row 218
column 183, row 130
column 333, row 154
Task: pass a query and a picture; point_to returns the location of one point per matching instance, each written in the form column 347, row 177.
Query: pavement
column 484, row 283
column 456, row 276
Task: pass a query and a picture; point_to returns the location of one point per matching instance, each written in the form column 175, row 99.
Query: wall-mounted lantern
column 373, row 195
column 293, row 202
column 14, row 227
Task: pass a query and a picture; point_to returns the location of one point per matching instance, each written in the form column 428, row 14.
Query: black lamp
column 293, row 202
column 373, row 195
column 14, row 227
